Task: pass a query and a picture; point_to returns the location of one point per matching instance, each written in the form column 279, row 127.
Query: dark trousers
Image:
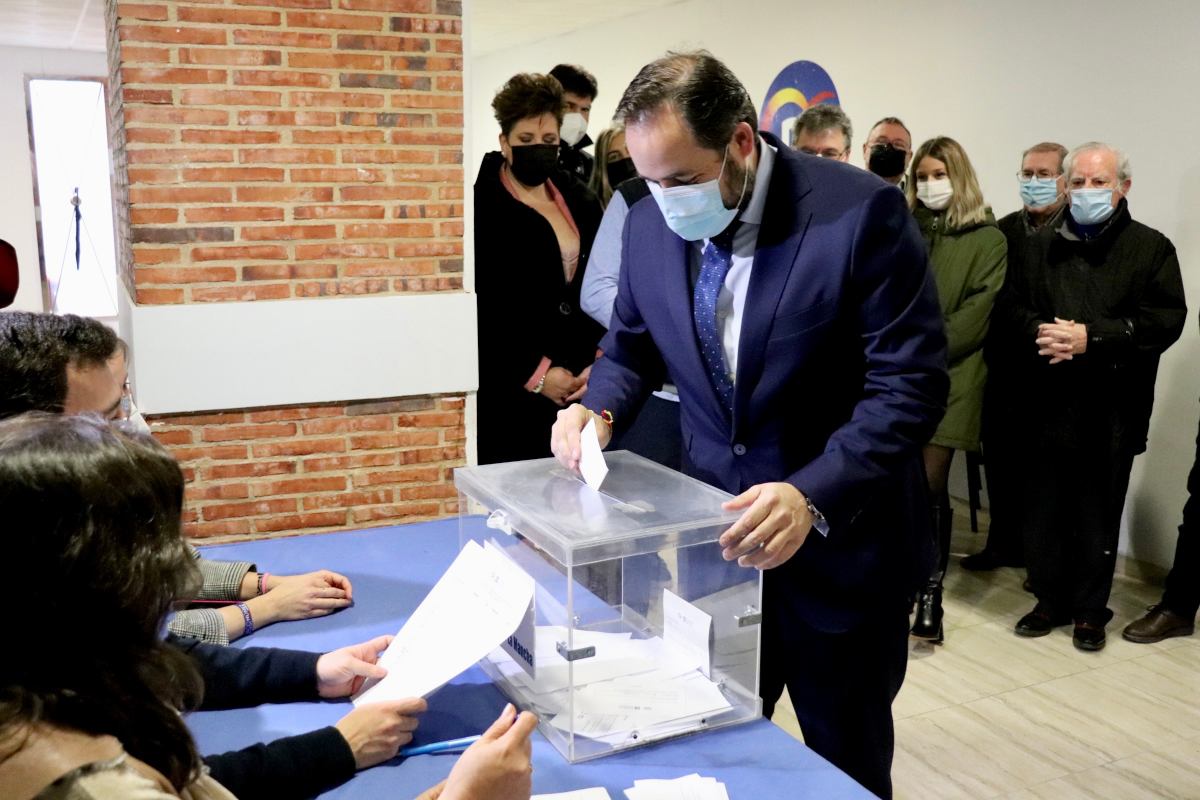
column 1074, row 498
column 1002, row 470
column 1182, row 594
column 841, row 685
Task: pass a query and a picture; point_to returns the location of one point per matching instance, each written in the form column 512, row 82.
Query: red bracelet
column 606, row 415
column 262, row 582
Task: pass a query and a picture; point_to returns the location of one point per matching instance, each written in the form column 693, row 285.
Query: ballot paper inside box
column 638, row 631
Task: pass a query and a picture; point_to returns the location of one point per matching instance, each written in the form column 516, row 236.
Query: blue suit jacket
column 841, row 375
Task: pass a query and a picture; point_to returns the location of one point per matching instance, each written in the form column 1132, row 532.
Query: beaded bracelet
column 249, row 621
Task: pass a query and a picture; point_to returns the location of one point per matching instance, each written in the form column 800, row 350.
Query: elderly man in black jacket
column 1088, row 309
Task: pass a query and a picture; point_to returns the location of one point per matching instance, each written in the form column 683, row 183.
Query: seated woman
column 91, row 711
column 532, row 239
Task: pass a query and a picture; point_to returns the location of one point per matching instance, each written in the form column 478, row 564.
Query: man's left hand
column 770, row 531
column 342, row 672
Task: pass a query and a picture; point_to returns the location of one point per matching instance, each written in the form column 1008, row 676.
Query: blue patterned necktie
column 714, row 266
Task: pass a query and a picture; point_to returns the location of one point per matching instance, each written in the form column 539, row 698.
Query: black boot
column 928, row 622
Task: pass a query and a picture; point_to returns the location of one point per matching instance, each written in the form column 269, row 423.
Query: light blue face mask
column 1039, row 192
column 1091, row 206
column 697, row 211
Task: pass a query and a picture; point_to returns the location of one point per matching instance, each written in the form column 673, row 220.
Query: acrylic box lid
column 642, row 507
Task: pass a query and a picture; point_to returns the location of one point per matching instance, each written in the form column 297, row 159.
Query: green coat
column 968, row 267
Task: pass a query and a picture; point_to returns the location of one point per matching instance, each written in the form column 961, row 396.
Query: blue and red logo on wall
column 798, row 86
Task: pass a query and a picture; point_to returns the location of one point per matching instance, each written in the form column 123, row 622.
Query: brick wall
column 332, row 466
column 285, row 149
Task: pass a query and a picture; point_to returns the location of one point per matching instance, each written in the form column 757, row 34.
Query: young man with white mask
column 579, row 92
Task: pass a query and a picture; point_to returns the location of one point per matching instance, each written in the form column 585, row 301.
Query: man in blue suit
column 789, row 299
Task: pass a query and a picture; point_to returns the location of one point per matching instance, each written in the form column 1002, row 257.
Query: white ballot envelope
column 475, row 606
column 592, row 466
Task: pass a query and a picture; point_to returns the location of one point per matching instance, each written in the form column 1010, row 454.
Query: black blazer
column 527, row 311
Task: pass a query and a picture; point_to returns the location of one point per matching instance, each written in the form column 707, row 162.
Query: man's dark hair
column 35, row 351
column 92, row 515
column 576, row 80
column 708, row 96
column 825, row 117
column 527, row 94
column 891, row 121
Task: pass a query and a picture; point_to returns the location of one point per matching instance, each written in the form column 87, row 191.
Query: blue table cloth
column 392, row 569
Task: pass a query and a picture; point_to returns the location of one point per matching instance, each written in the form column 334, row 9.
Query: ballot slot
column 637, row 631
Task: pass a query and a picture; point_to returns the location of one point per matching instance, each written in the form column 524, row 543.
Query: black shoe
column 928, row 624
column 1088, row 636
column 1039, row 622
column 987, row 560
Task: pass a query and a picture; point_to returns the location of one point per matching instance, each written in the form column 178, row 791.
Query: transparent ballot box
column 638, row 630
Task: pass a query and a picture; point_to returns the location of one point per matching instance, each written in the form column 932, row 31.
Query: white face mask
column 573, row 129
column 135, row 421
column 935, row 194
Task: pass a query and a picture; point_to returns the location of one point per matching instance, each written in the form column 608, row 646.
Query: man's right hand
column 377, row 731
column 497, row 767
column 564, row 436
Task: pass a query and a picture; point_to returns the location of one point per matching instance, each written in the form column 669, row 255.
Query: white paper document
column 599, row 793
column 475, row 606
column 591, row 460
column 689, row 787
column 687, row 630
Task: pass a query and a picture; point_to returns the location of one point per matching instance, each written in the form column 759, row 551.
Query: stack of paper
column 630, row 686
column 599, row 793
column 689, row 787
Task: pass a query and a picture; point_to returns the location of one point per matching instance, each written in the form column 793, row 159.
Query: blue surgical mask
column 697, row 211
column 1039, row 192
column 1091, row 206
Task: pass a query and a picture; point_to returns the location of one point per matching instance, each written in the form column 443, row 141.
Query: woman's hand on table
column 313, row 594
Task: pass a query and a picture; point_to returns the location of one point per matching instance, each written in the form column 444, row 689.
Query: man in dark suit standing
column 789, row 299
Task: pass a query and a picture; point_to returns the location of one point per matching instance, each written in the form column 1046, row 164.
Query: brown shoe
column 1161, row 623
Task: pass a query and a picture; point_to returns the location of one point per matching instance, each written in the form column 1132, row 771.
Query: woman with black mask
column 533, row 232
column 613, row 164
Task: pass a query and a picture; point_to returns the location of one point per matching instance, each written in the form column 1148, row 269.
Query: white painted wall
column 995, row 76
column 17, row 223
column 213, row 356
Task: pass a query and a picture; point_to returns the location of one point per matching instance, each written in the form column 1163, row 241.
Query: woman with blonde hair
column 613, row 164
column 968, row 255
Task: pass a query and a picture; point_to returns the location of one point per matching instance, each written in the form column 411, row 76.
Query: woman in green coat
column 967, row 254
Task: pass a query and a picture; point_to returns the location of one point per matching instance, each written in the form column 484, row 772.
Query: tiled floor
column 990, row 714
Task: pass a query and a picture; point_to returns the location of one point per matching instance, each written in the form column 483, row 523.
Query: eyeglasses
column 1025, row 176
column 828, row 152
